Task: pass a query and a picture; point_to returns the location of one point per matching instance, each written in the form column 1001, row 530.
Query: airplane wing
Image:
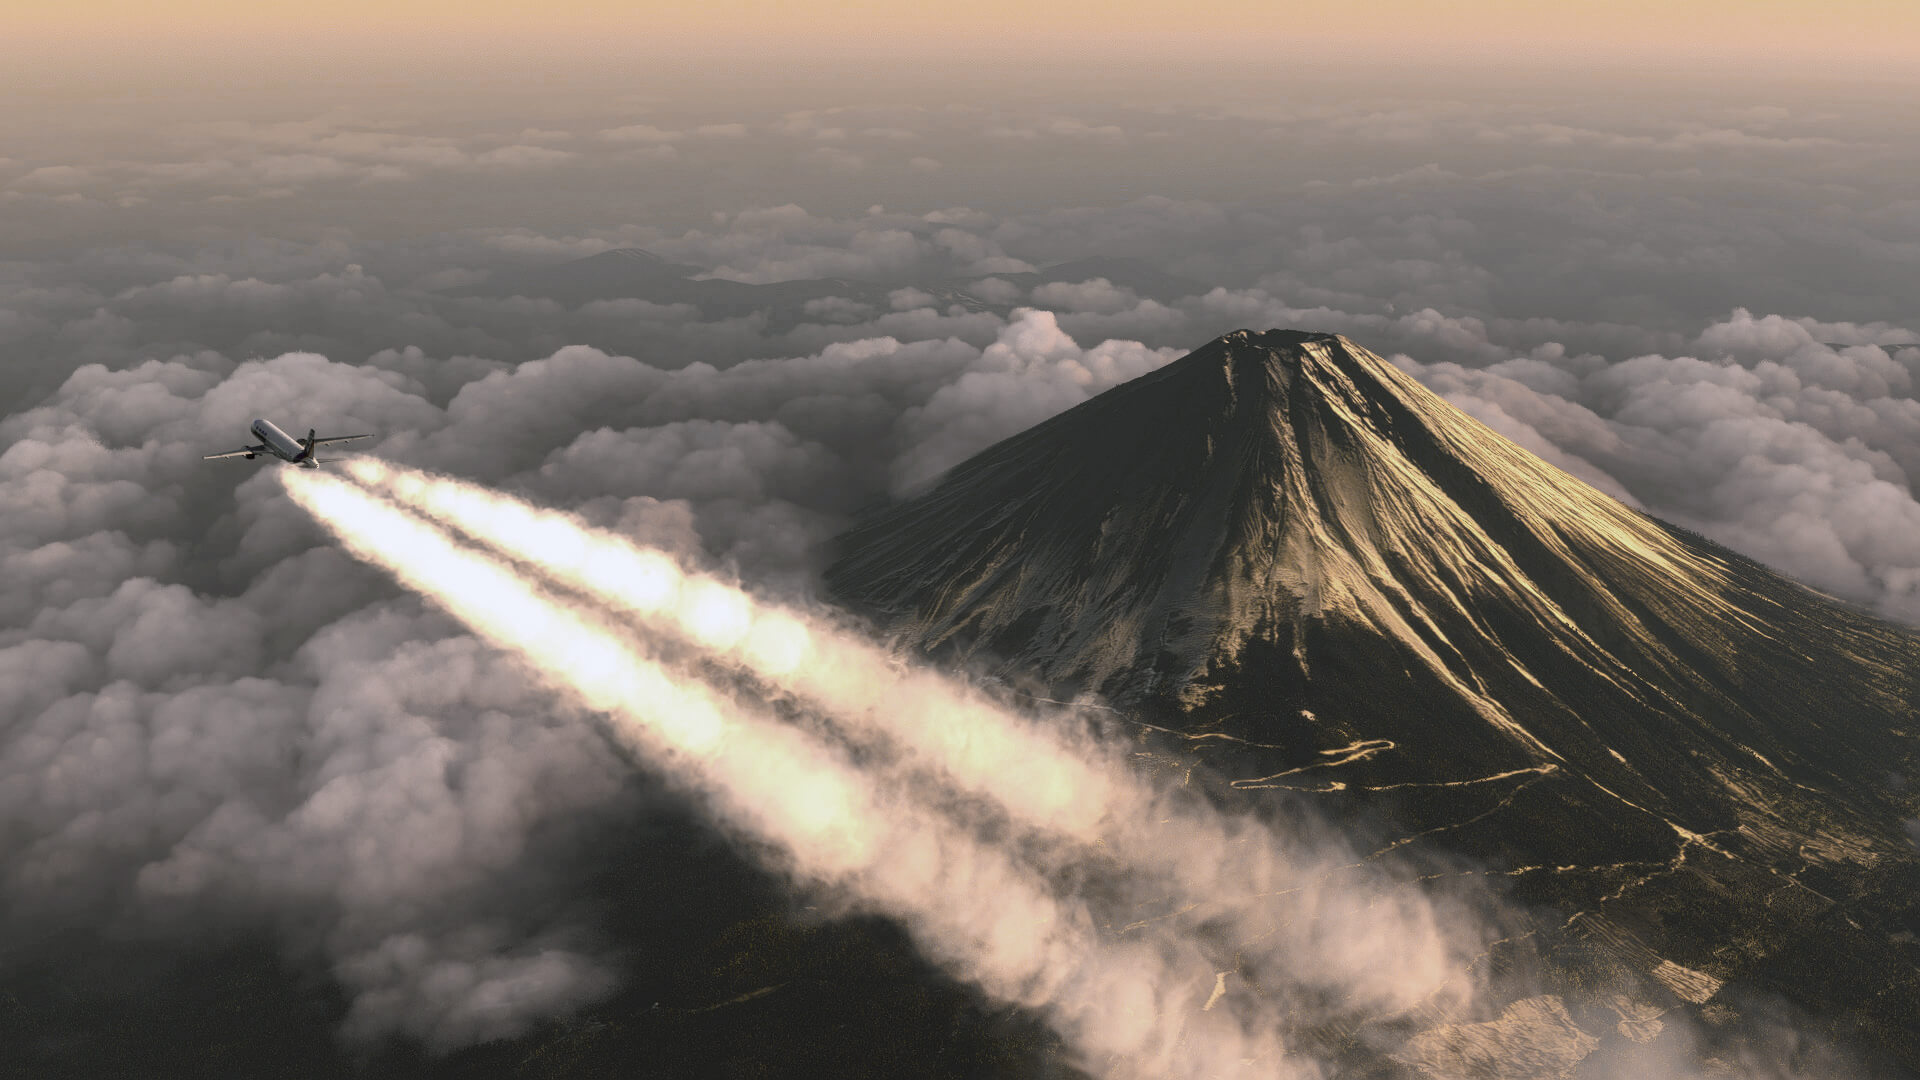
column 245, row 451
column 339, row 438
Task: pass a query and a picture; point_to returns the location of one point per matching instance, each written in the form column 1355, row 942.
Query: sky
column 1681, row 274
column 1718, row 30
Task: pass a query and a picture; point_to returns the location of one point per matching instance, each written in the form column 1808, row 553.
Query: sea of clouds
column 1710, row 315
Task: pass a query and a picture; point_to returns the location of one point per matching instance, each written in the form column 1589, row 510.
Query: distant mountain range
column 1320, row 577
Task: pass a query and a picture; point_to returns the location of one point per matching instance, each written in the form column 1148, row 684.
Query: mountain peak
column 1267, row 476
column 1292, row 507
column 1276, row 340
column 1246, row 350
column 1264, row 370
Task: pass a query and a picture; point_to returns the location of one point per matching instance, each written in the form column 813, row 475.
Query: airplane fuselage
column 284, row 446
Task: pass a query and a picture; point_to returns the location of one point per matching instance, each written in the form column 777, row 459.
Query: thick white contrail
column 1376, row 941
column 1133, row 1006
column 945, row 725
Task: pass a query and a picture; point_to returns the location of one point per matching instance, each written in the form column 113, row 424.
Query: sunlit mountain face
column 1326, row 586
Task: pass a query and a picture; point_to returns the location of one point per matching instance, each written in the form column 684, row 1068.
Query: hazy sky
column 1697, row 30
column 1686, row 278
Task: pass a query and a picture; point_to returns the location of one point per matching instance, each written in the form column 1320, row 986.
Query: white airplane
column 284, row 446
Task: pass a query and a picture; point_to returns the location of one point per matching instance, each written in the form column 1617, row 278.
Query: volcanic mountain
column 1319, row 576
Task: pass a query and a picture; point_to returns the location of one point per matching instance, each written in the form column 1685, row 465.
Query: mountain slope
column 1330, row 580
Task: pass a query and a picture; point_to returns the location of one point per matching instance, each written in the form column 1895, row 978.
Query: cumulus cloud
column 1797, row 452
column 836, row 309
column 996, row 290
column 1032, row 372
column 365, row 792
column 284, row 744
column 522, row 157
column 909, row 299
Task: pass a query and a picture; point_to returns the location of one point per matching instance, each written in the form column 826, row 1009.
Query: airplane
column 284, row 446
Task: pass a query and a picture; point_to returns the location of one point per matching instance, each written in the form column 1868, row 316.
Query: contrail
column 1133, row 1006
column 1376, row 941
column 946, row 726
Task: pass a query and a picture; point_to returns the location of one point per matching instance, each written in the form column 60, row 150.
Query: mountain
column 1322, row 577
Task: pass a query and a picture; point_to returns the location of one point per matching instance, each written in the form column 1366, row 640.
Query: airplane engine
column 250, row 457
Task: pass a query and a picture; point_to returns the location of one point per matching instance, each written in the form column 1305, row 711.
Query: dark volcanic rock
column 1336, row 583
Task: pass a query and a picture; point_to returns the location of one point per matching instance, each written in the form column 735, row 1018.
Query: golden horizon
column 1839, row 30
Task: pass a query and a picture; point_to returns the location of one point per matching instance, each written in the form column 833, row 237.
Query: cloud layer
column 211, row 717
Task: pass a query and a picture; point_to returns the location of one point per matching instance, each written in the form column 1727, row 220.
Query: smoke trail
column 1377, row 942
column 1134, row 1007
column 1033, row 772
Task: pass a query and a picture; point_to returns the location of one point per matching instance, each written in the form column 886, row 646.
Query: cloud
column 786, row 243
column 151, row 726
column 834, row 159
column 658, row 152
column 1798, row 453
column 55, row 178
column 980, row 254
column 358, row 800
column 1097, row 295
column 639, row 133
column 837, row 309
column 211, row 718
column 1033, row 371
column 908, row 299
column 1687, row 139
column 996, row 290
column 522, row 157
column 424, row 766
column 759, row 495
